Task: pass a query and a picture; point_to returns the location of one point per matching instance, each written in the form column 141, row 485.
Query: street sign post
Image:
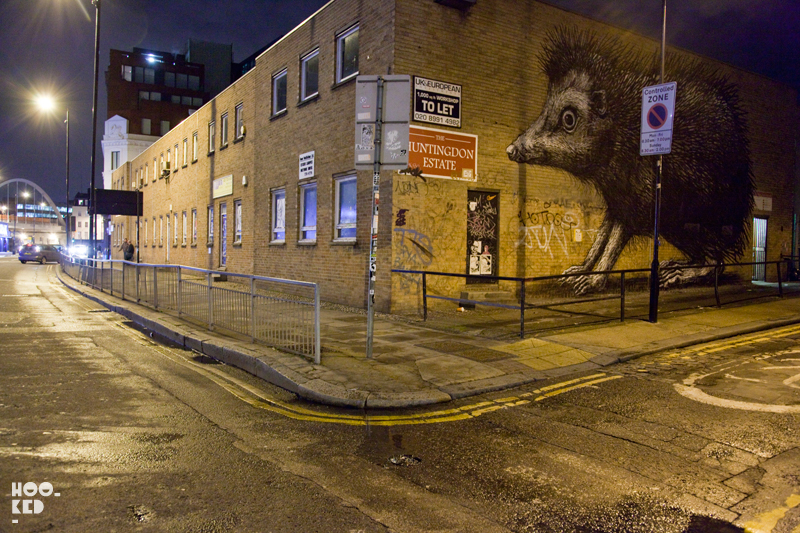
column 383, row 110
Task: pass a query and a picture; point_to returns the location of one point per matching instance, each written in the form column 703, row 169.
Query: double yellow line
column 256, row 399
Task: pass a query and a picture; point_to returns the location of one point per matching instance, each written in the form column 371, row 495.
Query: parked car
column 41, row 253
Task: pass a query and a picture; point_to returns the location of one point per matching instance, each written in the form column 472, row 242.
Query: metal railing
column 279, row 312
column 611, row 285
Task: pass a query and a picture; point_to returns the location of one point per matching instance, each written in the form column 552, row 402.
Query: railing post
column 138, row 298
column 716, row 283
column 180, row 293
column 317, row 340
column 522, row 309
column 155, row 287
column 424, row 296
column 780, row 284
column 102, row 275
column 253, row 309
column 123, row 281
column 622, row 297
column 210, row 302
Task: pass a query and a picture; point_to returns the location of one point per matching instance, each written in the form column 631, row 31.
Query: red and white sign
column 443, row 154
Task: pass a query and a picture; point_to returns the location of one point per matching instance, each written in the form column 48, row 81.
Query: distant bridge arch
column 7, row 186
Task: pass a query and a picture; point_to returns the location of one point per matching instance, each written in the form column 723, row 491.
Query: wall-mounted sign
column 443, row 154
column 3, row 230
column 437, row 102
column 762, row 201
column 307, row 165
column 223, row 186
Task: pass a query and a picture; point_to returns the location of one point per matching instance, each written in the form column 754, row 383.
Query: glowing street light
column 47, row 103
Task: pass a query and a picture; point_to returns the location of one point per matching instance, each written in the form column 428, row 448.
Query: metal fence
column 613, row 294
column 279, row 312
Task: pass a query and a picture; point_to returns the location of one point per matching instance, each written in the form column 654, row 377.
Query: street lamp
column 46, row 103
column 25, row 195
column 93, row 196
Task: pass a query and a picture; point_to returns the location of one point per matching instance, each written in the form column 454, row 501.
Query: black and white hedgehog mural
column 590, row 127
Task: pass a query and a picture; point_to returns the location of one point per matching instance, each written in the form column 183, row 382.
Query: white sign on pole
column 394, row 124
column 658, row 110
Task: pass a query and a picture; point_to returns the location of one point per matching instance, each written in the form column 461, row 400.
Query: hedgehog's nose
column 513, row 152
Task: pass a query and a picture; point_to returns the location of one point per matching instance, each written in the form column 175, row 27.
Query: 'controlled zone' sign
column 658, row 110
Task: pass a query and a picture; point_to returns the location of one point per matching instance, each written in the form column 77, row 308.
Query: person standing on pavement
column 127, row 250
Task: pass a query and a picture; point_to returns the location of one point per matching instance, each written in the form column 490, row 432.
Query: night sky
column 47, row 46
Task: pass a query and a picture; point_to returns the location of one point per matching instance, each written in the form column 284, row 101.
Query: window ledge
column 345, row 81
column 306, row 243
column 209, row 154
column 277, row 243
column 279, row 114
column 223, row 146
column 210, row 244
column 308, row 100
column 237, row 244
column 343, row 242
column 238, row 139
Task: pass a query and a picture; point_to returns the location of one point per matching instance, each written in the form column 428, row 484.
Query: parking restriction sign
column 658, row 110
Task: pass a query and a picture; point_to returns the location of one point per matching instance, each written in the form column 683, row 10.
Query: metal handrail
column 266, row 312
column 622, row 273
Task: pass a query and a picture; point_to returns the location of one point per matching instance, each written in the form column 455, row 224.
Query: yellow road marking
column 766, row 522
column 256, row 398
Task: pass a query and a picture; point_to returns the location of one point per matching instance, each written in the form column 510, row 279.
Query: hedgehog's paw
column 586, row 284
column 678, row 273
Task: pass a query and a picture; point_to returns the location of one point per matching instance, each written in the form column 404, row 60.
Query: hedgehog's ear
column 599, row 103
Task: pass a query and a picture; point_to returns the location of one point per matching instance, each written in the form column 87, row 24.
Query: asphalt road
column 134, row 435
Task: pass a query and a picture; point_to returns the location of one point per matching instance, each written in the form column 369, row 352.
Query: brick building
column 262, row 179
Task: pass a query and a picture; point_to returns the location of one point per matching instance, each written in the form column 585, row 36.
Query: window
column 194, row 82
column 185, row 228
column 197, row 101
column 154, row 96
column 161, row 166
column 347, row 54
column 146, row 173
column 169, row 79
column 237, row 221
column 182, row 81
column 127, row 73
column 185, row 150
column 145, row 232
column 169, row 159
column 308, row 212
column 145, row 126
column 194, row 146
column 161, row 230
column 176, row 159
column 239, row 121
column 114, row 160
column 279, row 92
column 194, row 226
column 144, row 95
column 164, row 127
column 155, row 170
column 149, row 75
column 279, row 215
column 168, row 232
column 223, row 133
column 138, row 74
column 154, row 231
column 346, row 208
column 211, row 224
column 211, row 132
column 175, row 229
column 309, row 75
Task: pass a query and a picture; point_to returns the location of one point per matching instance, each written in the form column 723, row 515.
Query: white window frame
column 237, row 221
column 194, row 226
column 194, row 146
column 114, row 160
column 283, row 74
column 340, row 41
column 223, row 130
column 304, row 229
column 238, row 115
column 278, row 212
column 339, row 226
column 304, row 93
column 175, row 229
column 185, row 151
column 212, row 131
column 161, row 230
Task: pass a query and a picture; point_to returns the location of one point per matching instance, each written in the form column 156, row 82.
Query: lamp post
column 24, row 201
column 92, row 196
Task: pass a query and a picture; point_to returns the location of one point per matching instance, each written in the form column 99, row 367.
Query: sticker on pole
column 658, row 111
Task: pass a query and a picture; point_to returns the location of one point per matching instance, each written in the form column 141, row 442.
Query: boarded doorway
column 482, row 235
column 759, row 248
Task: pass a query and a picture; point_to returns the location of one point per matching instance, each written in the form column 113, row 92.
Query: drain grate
column 404, row 460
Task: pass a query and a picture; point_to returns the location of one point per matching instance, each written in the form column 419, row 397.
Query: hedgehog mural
column 590, row 127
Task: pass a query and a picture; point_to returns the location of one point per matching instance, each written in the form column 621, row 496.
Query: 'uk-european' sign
column 437, row 102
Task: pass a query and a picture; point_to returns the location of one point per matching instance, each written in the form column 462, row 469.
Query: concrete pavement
column 414, row 364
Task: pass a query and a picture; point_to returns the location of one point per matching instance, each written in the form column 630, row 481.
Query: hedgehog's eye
column 569, row 120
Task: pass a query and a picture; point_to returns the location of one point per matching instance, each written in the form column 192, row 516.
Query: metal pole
column 522, row 309
column 68, row 215
column 654, row 266
column 317, row 340
column 92, row 195
column 373, row 248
